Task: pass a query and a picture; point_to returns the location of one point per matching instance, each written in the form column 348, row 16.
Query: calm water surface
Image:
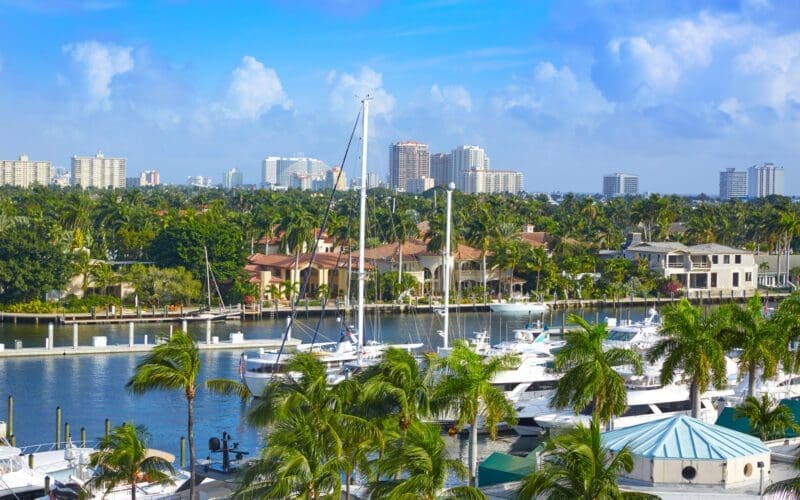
column 90, row 389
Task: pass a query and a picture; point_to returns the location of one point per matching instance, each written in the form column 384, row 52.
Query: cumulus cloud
column 254, row 90
column 347, row 89
column 773, row 66
column 101, row 63
column 451, row 97
column 553, row 97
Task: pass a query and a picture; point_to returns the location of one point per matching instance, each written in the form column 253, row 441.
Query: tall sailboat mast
column 450, row 188
column 362, row 224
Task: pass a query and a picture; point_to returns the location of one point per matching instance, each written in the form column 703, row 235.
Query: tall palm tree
column 122, row 457
column 312, row 436
column 172, row 365
column 589, row 375
column 691, row 344
column 479, row 232
column 767, row 420
column 760, row 340
column 466, row 389
column 416, row 465
column 578, row 466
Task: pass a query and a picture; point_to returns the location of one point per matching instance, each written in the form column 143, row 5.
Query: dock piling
column 10, row 429
column 75, row 335
column 50, row 335
column 108, row 428
column 130, row 334
column 67, row 434
column 183, row 452
column 30, row 460
column 185, row 326
column 208, row 331
column 83, row 437
column 58, row 427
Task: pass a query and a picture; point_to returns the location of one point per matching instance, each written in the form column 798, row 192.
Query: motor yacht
column 519, row 304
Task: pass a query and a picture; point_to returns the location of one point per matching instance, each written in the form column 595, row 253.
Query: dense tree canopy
column 31, row 265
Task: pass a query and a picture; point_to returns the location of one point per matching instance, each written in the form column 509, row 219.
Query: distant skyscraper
column 618, row 184
column 333, row 178
column 372, row 180
column 60, row 176
column 732, row 184
column 98, row 171
column 407, row 160
column 232, row 178
column 24, row 172
column 279, row 170
column 464, row 159
column 765, row 180
column 419, row 185
column 442, row 169
column 150, row 178
column 199, row 181
column 492, row 181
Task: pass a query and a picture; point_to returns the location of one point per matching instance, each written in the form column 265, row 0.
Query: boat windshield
column 620, row 336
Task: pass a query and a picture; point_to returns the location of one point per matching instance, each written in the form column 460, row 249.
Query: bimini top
column 683, row 437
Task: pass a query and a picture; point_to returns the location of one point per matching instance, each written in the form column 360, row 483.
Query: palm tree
column 479, row 231
column 416, row 466
column 172, row 365
column 759, row 339
column 589, row 372
column 691, row 344
column 767, row 421
column 466, row 389
column 312, row 438
column 122, row 457
column 578, row 466
column 397, row 387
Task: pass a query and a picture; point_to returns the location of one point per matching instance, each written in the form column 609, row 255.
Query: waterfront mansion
column 703, row 270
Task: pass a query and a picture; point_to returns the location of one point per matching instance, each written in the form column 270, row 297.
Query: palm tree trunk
column 400, row 266
column 751, row 382
column 133, row 488
column 695, row 397
column 190, row 431
column 473, row 450
column 347, row 486
column 483, row 258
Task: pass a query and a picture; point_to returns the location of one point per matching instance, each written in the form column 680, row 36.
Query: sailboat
column 210, row 313
column 349, row 354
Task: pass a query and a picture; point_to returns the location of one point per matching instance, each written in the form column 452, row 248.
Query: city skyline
column 664, row 89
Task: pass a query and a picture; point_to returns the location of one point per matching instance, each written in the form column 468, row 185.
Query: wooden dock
column 243, row 345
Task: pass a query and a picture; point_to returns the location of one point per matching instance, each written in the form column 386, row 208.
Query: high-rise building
column 408, row 160
column 24, row 172
column 279, row 170
column 232, row 178
column 466, row 158
column 372, row 180
column 60, row 176
column 618, row 184
column 419, row 185
column 336, row 178
column 199, row 181
column 732, row 184
column 765, row 180
column 98, row 171
column 492, row 181
column 150, row 178
column 442, row 169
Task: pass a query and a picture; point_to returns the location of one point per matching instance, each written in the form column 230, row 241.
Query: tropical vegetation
column 767, row 420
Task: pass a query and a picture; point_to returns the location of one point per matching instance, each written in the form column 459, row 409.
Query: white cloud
column 101, row 64
column 693, row 42
column 651, row 64
column 451, row 97
column 773, row 64
column 254, row 90
column 348, row 89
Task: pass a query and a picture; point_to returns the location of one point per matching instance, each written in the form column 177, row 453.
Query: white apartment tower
column 408, row 160
column 150, row 178
column 24, row 172
column 732, row 184
column 98, row 171
column 232, row 178
column 279, row 171
column 492, row 181
column 765, row 180
column 618, row 184
column 466, row 158
column 336, row 178
column 442, row 169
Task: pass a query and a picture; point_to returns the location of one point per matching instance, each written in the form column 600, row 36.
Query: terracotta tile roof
column 535, row 238
column 281, row 261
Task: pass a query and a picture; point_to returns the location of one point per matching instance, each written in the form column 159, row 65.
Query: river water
column 90, row 388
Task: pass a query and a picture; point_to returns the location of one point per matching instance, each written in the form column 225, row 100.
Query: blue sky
column 564, row 91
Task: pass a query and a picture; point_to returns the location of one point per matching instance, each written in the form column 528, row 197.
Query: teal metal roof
column 683, row 437
column 728, row 418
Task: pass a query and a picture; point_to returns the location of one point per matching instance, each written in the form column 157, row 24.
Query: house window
column 737, row 259
column 726, row 259
column 748, row 277
column 715, row 259
column 735, row 277
column 713, row 280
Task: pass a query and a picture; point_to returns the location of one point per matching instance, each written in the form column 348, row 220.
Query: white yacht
column 519, row 304
column 638, row 335
column 645, row 403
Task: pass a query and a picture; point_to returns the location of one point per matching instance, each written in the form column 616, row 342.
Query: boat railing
column 44, row 447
